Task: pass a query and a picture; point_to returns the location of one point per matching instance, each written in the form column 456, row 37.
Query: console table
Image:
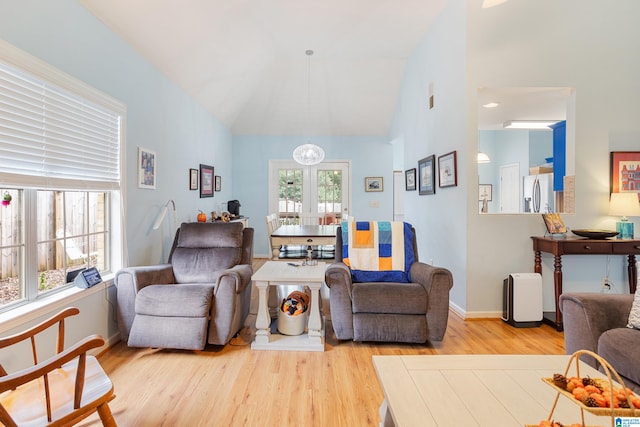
column 580, row 246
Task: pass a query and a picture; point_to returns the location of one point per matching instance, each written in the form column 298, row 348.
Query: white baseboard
column 474, row 314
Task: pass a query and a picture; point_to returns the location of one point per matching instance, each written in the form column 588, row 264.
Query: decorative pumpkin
column 295, row 304
column 202, row 217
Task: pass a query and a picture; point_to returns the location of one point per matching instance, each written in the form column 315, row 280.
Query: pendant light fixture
column 308, row 154
column 483, row 157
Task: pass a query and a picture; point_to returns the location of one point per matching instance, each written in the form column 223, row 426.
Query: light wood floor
column 235, row 386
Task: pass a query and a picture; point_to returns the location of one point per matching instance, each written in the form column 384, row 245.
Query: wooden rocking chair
column 59, row 391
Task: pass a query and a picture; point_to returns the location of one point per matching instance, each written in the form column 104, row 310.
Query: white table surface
column 475, row 390
column 275, row 273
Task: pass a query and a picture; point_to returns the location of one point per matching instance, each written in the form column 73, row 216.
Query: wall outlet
column 606, row 285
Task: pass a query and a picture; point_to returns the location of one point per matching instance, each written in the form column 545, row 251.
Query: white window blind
column 51, row 137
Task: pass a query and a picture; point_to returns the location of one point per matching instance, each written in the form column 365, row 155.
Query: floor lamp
column 163, row 213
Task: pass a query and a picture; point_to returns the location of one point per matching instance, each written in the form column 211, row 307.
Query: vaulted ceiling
column 245, row 61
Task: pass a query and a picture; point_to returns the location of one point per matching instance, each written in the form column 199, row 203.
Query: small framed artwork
column 146, row 168
column 625, row 172
column 218, row 183
column 426, row 175
column 410, row 179
column 193, row 179
column 206, row 181
column 485, row 192
column 554, row 223
column 373, row 183
column 447, row 170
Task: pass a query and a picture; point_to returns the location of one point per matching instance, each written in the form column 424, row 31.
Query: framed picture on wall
column 193, row 179
column 485, row 192
column 218, row 183
column 206, row 181
column 625, row 172
column 447, row 170
column 373, row 183
column 410, row 179
column 146, row 168
column 426, row 175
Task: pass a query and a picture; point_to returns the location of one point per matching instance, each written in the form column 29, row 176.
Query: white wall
column 587, row 45
column 369, row 156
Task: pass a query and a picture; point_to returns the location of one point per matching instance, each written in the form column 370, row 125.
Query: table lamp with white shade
column 624, row 205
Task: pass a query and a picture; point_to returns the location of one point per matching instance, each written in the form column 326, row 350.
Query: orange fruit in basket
column 579, row 393
column 591, row 389
column 600, row 400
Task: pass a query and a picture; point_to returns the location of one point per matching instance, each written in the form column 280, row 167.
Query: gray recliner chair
column 202, row 295
column 414, row 312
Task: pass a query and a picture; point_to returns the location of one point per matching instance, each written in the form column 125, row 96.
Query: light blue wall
column 540, row 147
column 160, row 117
column 369, row 156
column 440, row 219
column 511, row 146
column 459, row 55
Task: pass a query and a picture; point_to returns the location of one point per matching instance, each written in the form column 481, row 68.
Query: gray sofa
column 202, row 295
column 597, row 322
column 414, row 312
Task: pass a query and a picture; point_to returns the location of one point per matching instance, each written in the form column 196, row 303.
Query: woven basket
column 611, row 376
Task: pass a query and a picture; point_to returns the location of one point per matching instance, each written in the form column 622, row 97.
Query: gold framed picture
column 554, row 223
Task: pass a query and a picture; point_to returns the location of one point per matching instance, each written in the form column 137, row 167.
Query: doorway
column 322, row 190
column 510, row 188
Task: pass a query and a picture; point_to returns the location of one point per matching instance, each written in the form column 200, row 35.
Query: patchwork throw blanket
column 378, row 251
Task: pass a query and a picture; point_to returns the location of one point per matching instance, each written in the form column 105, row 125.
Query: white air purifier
column 522, row 300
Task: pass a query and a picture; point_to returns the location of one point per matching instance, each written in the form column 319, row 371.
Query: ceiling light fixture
column 483, row 157
column 490, row 105
column 308, row 154
column 491, row 3
column 529, row 124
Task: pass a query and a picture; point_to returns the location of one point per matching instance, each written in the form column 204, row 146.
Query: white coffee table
column 274, row 273
column 475, row 390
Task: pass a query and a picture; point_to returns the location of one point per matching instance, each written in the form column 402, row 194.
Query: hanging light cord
column 309, row 53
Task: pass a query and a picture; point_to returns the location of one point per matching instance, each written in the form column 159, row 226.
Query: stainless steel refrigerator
column 538, row 193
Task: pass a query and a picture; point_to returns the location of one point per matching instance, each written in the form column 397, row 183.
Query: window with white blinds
column 61, row 151
column 52, row 137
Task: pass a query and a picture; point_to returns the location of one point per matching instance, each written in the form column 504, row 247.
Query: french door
column 323, row 190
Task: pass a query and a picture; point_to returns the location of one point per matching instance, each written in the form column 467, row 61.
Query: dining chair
column 347, row 218
column 309, row 218
column 272, row 224
column 329, row 218
column 59, row 391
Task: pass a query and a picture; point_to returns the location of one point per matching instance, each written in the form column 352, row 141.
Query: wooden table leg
column 263, row 319
column 633, row 273
column 315, row 323
column 557, row 284
column 537, row 262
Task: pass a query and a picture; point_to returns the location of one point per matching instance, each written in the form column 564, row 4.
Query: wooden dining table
column 302, row 235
